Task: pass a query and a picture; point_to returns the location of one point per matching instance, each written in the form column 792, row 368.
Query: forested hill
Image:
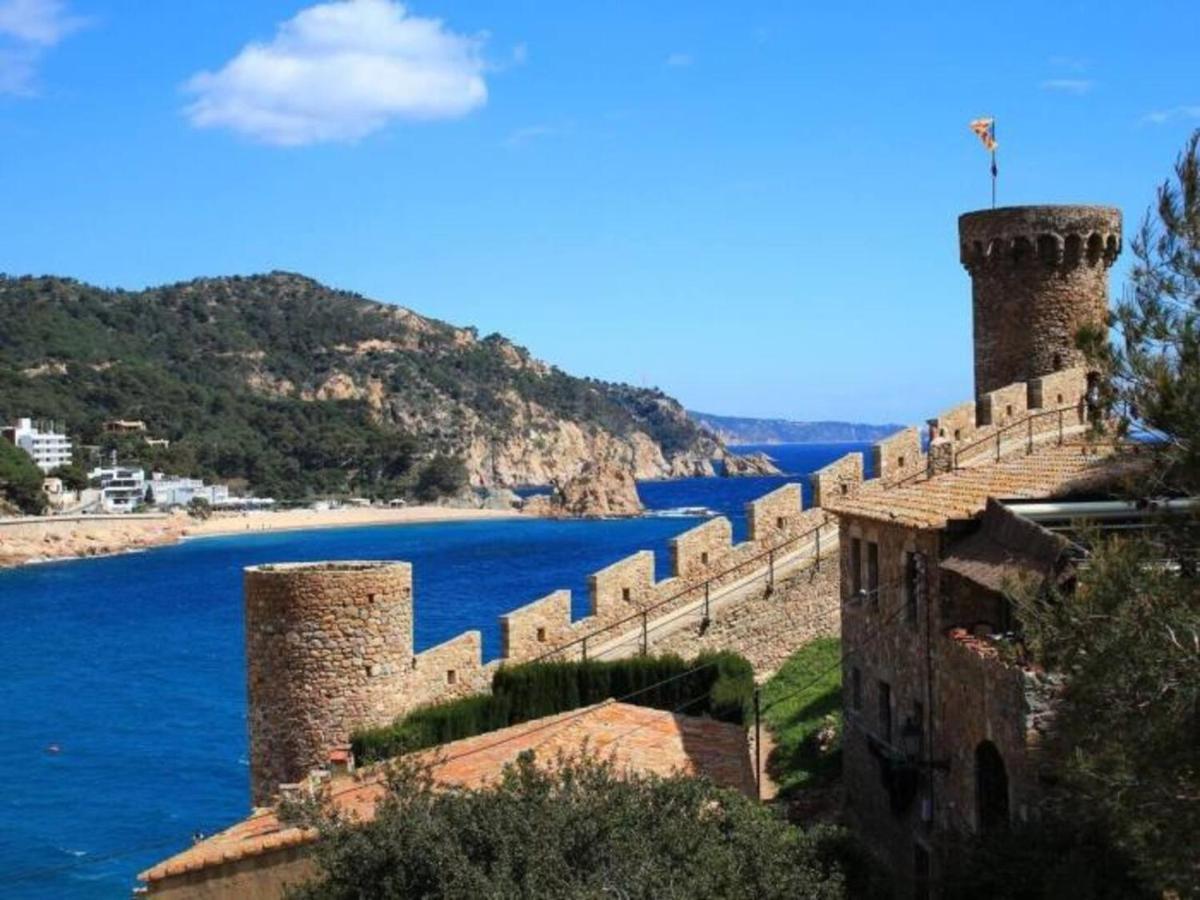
column 739, row 430
column 296, row 389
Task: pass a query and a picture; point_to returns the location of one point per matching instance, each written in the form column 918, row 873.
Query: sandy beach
column 303, row 519
column 41, row 539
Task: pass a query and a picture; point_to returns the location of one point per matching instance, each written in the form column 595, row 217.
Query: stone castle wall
column 1042, row 408
column 1038, row 273
column 329, row 645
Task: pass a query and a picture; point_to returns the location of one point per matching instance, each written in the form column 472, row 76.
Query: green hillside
column 294, row 389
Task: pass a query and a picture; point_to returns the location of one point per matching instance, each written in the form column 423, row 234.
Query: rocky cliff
column 739, row 464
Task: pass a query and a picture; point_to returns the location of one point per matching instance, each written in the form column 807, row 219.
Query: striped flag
column 985, row 129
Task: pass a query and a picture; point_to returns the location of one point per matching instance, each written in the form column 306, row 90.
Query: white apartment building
column 173, row 490
column 122, row 488
column 49, row 449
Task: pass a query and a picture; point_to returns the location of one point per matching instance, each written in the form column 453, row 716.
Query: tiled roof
column 635, row 738
column 1006, row 548
column 931, row 503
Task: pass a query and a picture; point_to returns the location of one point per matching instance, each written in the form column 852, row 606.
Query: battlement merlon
column 1053, row 236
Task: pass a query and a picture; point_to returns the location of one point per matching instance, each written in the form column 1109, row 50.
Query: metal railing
column 997, row 437
column 766, row 558
column 1027, row 424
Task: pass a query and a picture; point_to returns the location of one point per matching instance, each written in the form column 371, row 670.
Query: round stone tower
column 328, row 649
column 1038, row 273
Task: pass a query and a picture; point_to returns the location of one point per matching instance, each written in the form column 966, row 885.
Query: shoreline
column 263, row 522
column 38, row 540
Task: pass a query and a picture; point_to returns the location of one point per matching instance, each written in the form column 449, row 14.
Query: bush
column 720, row 685
column 20, row 479
column 573, row 829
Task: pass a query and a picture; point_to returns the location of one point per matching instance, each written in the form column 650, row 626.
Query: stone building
column 941, row 728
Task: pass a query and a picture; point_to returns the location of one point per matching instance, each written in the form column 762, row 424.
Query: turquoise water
column 122, row 705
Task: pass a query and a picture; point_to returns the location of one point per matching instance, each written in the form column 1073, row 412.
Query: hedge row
column 720, row 685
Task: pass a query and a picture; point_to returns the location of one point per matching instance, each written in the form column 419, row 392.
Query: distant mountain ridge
column 745, row 430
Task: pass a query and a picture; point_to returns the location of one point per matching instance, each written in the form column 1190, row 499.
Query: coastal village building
column 174, row 490
column 942, row 727
column 122, row 488
column 48, row 448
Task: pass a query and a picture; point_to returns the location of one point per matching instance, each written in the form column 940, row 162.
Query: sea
column 122, row 679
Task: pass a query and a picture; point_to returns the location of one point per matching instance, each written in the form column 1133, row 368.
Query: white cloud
column 679, row 60
column 27, row 29
column 1162, row 116
column 338, row 71
column 1068, row 85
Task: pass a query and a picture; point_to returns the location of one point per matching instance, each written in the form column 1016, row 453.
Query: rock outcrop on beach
column 45, row 539
column 602, row 490
column 759, row 463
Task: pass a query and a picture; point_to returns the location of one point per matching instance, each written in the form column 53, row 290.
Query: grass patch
column 803, row 699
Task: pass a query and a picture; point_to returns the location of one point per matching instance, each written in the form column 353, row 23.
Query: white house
column 49, row 449
column 122, row 488
column 174, row 490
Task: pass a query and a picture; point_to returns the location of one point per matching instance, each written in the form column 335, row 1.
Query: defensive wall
column 329, row 646
column 1005, row 421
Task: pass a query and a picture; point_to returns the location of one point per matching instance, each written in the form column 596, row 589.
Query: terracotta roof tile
column 635, row 738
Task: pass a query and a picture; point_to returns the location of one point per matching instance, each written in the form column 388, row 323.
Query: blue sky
column 750, row 205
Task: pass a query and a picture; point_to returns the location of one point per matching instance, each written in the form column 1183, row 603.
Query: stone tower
column 328, row 649
column 1038, row 273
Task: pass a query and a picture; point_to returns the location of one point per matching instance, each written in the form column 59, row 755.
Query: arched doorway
column 991, row 788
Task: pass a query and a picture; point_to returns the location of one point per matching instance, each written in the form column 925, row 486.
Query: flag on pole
column 985, row 129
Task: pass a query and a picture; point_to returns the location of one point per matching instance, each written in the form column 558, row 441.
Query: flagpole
column 993, row 179
column 994, row 170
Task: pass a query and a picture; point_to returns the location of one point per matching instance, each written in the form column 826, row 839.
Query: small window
column 856, row 689
column 873, row 572
column 958, row 434
column 942, row 432
column 900, row 462
column 1057, row 361
column 1008, row 409
column 541, row 635
column 704, row 558
column 451, row 676
column 855, row 566
column 1060, row 399
column 885, row 711
column 780, row 522
column 626, row 595
column 912, row 586
column 370, row 598
column 845, row 488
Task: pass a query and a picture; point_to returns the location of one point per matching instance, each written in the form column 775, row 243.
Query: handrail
column 1027, row 421
column 706, row 585
column 997, row 436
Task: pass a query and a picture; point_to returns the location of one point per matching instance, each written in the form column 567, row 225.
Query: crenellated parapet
column 1038, row 275
column 898, row 456
column 1053, row 237
column 775, row 516
column 840, row 479
column 1021, row 413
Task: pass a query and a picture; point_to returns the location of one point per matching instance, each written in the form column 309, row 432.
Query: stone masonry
column 1038, row 273
column 327, row 645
